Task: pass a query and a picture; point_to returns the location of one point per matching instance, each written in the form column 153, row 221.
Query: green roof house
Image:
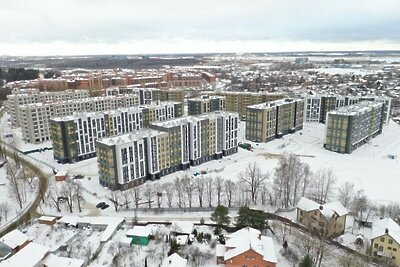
column 139, row 234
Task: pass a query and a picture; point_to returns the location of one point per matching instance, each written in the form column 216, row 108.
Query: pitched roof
column 138, row 230
column 380, row 227
column 29, row 256
column 249, row 239
column 327, row 209
column 174, row 260
column 14, row 238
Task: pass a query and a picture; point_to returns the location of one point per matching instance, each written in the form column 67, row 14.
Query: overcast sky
column 51, row 27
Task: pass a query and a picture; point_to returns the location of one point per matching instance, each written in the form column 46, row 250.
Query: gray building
column 206, row 104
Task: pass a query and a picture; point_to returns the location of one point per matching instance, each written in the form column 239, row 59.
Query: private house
column 49, row 220
column 328, row 219
column 16, row 240
column 385, row 241
column 247, row 247
column 31, row 255
column 139, row 235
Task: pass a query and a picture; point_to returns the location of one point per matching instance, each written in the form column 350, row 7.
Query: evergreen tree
column 306, row 261
column 252, row 218
column 220, row 215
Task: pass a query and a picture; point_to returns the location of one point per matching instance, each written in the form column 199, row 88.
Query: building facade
column 31, row 96
column 131, row 159
column 328, row 220
column 74, row 137
column 206, row 104
column 385, row 241
column 34, row 119
column 267, row 121
column 350, row 127
column 316, row 107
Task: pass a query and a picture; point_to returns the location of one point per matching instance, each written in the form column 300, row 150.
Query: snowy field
column 343, row 71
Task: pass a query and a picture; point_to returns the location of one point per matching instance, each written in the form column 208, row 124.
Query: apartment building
column 131, row 159
column 149, row 95
column 34, row 118
column 267, row 121
column 385, row 242
column 350, row 127
column 238, row 101
column 317, row 106
column 74, row 136
column 30, row 96
column 206, row 104
column 328, row 220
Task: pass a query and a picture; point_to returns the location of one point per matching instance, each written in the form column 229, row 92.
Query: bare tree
column 230, row 188
column 135, row 192
column 346, row 192
column 54, row 195
column 5, row 208
column 188, row 187
column 148, row 193
column 169, row 193
column 14, row 184
column 209, row 189
column 218, row 187
column 115, row 198
column 78, row 194
column 179, row 190
column 324, row 180
column 291, row 180
column 200, row 187
column 253, row 178
column 68, row 191
column 126, row 198
column 360, row 203
column 159, row 193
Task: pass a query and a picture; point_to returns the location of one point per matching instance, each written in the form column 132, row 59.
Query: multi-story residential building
column 246, row 247
column 34, row 118
column 31, row 96
column 350, row 127
column 131, row 159
column 328, row 220
column 385, row 242
column 267, row 121
column 149, row 95
column 238, row 101
column 74, row 136
column 317, row 106
column 206, row 104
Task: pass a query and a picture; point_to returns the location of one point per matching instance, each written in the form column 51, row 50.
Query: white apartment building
column 34, row 118
column 30, row 96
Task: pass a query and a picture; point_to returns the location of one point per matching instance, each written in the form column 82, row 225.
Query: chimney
column 321, row 207
column 386, row 231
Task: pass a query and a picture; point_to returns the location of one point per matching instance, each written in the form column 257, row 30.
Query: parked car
column 62, row 199
column 78, row 176
column 104, row 206
column 100, row 204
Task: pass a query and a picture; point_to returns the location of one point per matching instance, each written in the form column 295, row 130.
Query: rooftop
column 361, row 107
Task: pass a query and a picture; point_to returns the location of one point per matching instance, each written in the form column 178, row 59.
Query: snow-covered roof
column 268, row 246
column 220, row 250
column 249, row 239
column 380, row 228
column 139, row 231
column 327, row 209
column 174, row 260
column 56, row 261
column 29, row 256
column 182, row 227
column 47, row 218
column 111, row 222
column 14, row 238
column 62, row 173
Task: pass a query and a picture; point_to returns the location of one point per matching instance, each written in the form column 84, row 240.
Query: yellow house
column 328, row 220
column 385, row 241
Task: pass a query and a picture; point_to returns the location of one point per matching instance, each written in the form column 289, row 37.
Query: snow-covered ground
column 367, row 167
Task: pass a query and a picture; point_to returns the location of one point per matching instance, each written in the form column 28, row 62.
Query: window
column 390, row 241
column 394, row 249
column 389, row 248
column 382, row 239
column 375, row 245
